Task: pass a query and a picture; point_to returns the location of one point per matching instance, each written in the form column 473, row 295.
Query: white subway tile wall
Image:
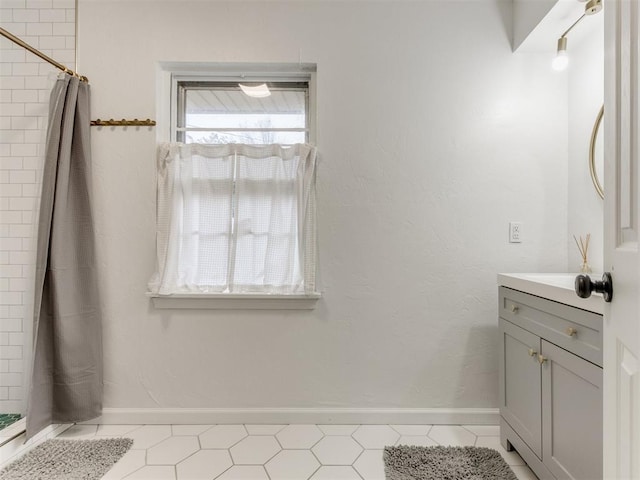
column 25, row 83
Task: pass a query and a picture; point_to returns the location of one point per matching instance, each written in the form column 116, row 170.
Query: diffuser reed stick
column 583, row 248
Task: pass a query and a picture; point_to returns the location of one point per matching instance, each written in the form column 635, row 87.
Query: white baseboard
column 338, row 416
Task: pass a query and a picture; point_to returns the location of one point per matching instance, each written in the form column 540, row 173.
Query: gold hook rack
column 123, row 123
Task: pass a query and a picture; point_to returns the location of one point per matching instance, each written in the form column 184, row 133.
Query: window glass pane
column 267, row 226
column 212, row 111
column 283, row 107
column 253, row 138
column 207, row 220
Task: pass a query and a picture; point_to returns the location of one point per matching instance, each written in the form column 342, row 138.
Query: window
column 221, row 112
column 236, row 193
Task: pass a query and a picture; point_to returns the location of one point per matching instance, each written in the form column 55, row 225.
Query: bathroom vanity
column 551, row 375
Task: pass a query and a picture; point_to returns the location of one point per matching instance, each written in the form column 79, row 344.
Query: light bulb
column 561, row 61
column 257, row 91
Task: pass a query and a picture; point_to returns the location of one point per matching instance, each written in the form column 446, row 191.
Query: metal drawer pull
column 515, row 308
column 571, row 331
column 542, row 359
column 532, row 352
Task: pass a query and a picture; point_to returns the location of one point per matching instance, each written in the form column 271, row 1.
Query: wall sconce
column 561, row 60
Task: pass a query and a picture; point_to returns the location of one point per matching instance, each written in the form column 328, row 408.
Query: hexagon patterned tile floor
column 272, row 452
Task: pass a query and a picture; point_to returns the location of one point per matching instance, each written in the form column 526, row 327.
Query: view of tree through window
column 220, row 112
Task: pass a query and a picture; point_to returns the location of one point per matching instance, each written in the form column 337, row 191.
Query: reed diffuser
column 583, row 248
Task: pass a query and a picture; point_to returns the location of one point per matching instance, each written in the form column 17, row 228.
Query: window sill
column 238, row 301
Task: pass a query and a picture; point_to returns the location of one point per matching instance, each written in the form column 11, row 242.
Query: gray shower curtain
column 66, row 381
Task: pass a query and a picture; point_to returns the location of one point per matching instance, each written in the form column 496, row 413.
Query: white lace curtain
column 235, row 218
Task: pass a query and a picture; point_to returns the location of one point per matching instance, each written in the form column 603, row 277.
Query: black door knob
column 584, row 286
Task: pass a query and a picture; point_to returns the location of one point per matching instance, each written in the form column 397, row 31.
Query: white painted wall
column 433, row 135
column 585, row 96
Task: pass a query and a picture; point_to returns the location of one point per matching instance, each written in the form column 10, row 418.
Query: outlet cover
column 515, row 232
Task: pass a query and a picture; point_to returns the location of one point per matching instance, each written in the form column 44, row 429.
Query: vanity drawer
column 573, row 329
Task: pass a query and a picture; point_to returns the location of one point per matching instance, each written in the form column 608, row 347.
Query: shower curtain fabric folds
column 67, row 383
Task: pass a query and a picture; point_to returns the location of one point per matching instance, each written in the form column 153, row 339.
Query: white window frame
column 169, row 74
column 178, row 131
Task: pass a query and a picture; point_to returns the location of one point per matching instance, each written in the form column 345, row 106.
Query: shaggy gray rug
column 445, row 463
column 68, row 460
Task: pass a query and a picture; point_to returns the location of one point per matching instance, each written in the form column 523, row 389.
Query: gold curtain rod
column 123, row 123
column 25, row 45
column 101, row 123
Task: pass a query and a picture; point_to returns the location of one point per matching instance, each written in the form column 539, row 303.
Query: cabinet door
column 520, row 384
column 571, row 415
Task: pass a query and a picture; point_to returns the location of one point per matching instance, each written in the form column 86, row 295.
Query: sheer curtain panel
column 235, row 218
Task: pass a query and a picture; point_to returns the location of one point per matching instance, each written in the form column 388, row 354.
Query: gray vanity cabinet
column 522, row 389
column 550, row 393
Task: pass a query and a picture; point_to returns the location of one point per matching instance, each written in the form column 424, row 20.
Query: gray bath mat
column 68, row 460
column 445, row 463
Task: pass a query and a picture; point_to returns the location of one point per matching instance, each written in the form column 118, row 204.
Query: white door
column 622, row 234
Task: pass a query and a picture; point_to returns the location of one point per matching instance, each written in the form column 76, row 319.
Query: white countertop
column 554, row 286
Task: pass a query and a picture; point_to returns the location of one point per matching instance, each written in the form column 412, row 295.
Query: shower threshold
column 11, row 430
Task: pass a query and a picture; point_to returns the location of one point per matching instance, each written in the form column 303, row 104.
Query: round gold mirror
column 596, row 154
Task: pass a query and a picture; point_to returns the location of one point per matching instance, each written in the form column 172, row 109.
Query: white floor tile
column 131, row 461
column 153, row 472
column 222, row 436
column 149, row 435
column 376, row 436
column 115, row 430
column 484, row 430
column 292, row 465
column 278, row 452
column 79, row 432
column 370, row 465
column 512, row 458
column 452, row 435
column 254, row 450
column 416, row 440
column 264, row 429
column 523, row 472
column 189, row 429
column 299, row 436
column 204, row 464
column 336, row 473
column 412, row 430
column 172, row 450
column 337, row 450
column 244, row 472
column 338, row 429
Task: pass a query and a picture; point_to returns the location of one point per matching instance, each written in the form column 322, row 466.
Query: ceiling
column 562, row 15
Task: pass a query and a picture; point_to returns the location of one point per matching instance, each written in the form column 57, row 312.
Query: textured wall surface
column 585, row 98
column 25, row 83
column 432, row 136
